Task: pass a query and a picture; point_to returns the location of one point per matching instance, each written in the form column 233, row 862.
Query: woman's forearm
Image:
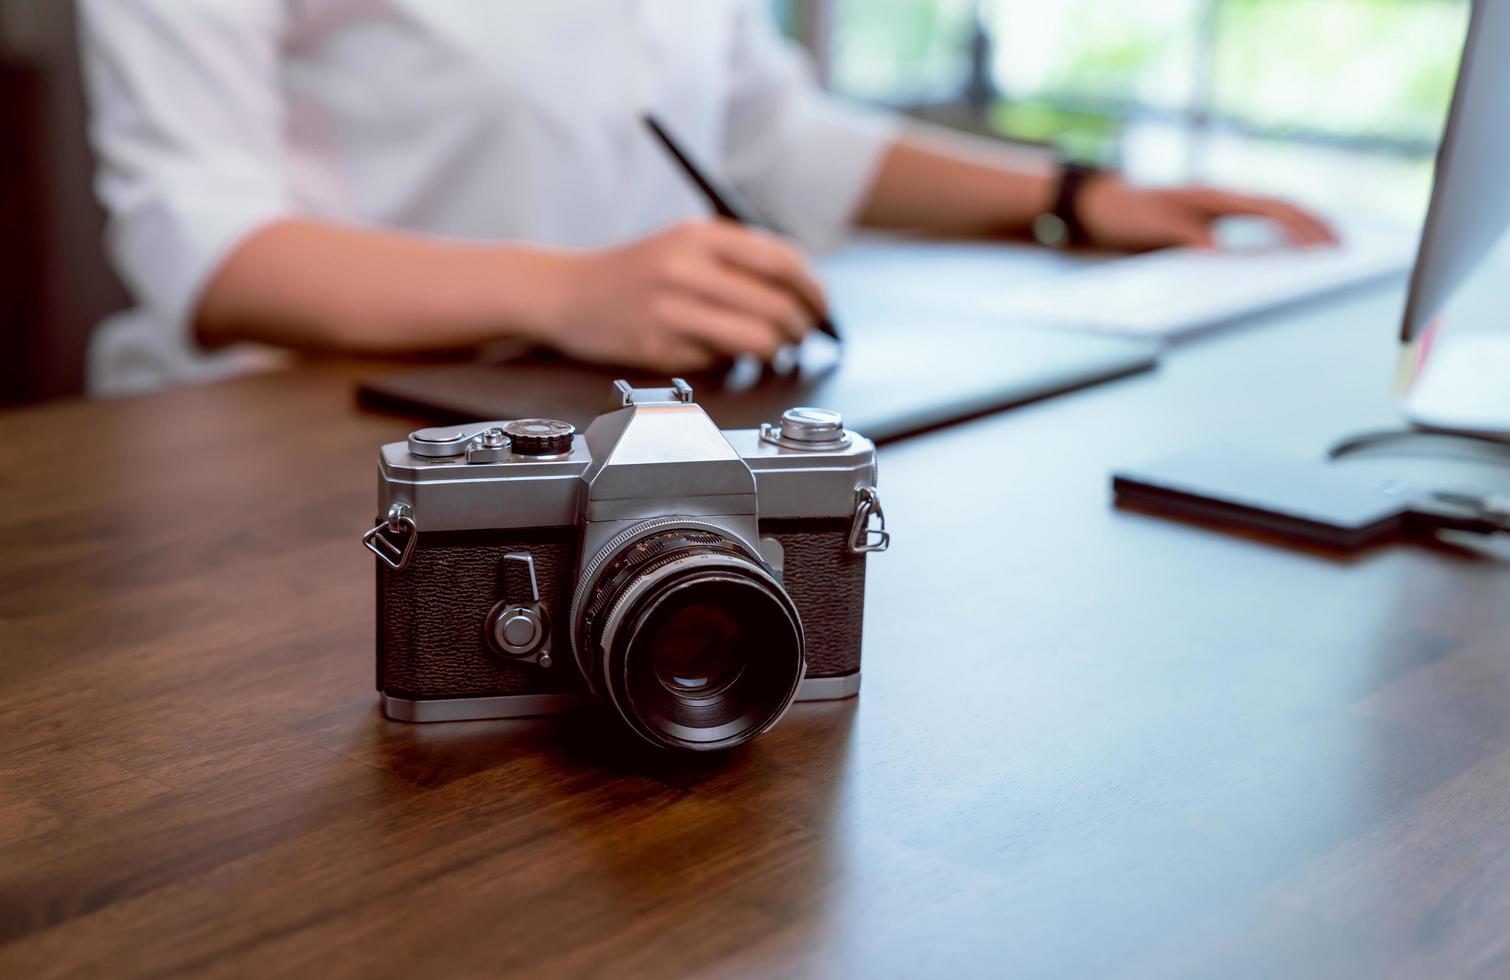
column 938, row 181
column 311, row 285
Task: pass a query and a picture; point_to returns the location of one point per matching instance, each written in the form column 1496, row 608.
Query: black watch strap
column 1060, row 227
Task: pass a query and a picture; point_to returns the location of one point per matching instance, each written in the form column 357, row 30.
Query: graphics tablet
column 892, row 380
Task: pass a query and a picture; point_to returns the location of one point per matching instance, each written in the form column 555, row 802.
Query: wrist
column 1043, row 189
column 1025, row 191
column 526, row 290
column 553, row 280
column 1063, row 223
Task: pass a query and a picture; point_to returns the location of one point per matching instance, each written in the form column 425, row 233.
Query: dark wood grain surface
column 1090, row 742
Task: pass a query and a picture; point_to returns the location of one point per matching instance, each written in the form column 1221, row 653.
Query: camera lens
column 710, row 660
column 692, row 640
column 694, row 652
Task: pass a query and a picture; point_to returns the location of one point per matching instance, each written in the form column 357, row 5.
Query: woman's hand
column 686, row 297
column 1115, row 214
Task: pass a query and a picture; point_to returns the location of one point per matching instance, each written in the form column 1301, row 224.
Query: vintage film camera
column 697, row 581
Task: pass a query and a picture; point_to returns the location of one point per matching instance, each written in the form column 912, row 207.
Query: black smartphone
column 1310, row 500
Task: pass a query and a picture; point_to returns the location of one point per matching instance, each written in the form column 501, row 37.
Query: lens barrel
column 691, row 638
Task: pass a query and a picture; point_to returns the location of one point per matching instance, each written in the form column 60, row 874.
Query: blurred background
column 1338, row 103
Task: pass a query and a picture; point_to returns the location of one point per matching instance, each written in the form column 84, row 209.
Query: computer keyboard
column 1179, row 291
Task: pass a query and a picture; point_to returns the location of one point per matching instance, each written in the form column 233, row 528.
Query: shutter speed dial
column 539, row 437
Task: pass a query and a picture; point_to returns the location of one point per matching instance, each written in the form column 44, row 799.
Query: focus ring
column 588, row 579
column 616, row 590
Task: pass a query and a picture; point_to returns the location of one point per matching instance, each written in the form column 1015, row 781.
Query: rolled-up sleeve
column 186, row 122
column 804, row 158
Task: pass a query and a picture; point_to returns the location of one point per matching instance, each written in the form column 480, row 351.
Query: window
column 1328, row 99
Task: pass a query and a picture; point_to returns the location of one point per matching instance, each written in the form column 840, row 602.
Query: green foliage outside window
column 1344, row 69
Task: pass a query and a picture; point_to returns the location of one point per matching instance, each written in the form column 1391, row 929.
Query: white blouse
column 512, row 120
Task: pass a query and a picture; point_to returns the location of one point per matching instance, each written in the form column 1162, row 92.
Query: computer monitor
column 1455, row 368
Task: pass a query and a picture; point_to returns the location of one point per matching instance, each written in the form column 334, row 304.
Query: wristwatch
column 1060, row 227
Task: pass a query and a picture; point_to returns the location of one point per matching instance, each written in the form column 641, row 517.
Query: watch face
column 1051, row 231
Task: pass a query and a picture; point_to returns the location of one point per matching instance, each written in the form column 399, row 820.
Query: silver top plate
column 520, row 491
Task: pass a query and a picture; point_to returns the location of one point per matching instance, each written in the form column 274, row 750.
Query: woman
column 386, row 176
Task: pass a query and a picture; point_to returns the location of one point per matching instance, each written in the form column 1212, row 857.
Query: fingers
column 722, row 330
column 688, row 296
column 677, row 355
column 1300, row 226
column 728, row 287
column 1184, row 230
column 769, row 257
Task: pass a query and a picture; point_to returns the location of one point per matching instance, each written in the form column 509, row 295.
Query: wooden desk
column 1090, row 742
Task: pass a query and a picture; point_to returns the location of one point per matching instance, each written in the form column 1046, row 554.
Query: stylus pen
column 725, row 203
